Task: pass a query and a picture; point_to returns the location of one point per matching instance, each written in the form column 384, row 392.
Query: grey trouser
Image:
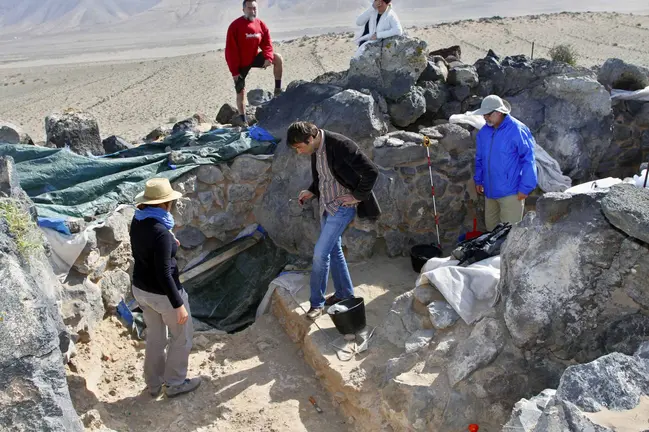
column 506, row 209
column 158, row 316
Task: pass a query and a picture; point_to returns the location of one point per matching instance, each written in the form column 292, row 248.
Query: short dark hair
column 247, row 1
column 387, row 1
column 299, row 132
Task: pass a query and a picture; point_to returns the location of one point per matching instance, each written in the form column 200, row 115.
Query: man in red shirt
column 249, row 45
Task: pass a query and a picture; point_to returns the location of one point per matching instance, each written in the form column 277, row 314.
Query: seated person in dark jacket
column 157, row 289
column 343, row 178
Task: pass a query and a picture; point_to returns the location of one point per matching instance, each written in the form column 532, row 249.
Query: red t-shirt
column 245, row 39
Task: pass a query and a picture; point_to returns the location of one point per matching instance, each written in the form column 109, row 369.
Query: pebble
column 112, row 392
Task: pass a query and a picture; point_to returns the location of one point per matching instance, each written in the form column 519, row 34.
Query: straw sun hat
column 157, row 191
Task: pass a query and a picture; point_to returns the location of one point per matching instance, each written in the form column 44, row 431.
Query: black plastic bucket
column 420, row 254
column 352, row 320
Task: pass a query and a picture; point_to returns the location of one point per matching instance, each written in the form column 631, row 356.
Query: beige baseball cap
column 493, row 103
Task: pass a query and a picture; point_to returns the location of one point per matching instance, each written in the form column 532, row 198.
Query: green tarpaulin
column 63, row 184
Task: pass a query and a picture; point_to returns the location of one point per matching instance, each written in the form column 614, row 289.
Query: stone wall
column 630, row 144
column 218, row 203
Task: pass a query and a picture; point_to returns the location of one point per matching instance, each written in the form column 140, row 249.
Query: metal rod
column 432, row 187
column 646, row 174
column 532, row 50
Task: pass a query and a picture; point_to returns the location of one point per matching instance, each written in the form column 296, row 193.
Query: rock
column 190, row 237
column 248, row 168
column 334, row 114
column 617, row 74
column 187, row 125
column 158, row 134
column 82, row 306
column 583, row 257
column 9, row 181
column 434, row 72
column 78, row 130
column 115, row 285
column 480, row 349
column 407, row 109
column 460, row 93
column 115, row 229
column 442, row 315
column 240, row 192
column 455, row 51
column 436, row 95
column 397, row 148
column 113, row 144
column 359, row 244
column 258, row 97
column 441, row 354
column 615, row 382
column 210, row 174
column 419, row 340
column 332, row 78
column 391, row 67
column 12, row 134
column 463, row 76
column 226, row 113
column 402, row 321
column 627, row 207
column 450, row 108
column 425, row 294
column 35, row 394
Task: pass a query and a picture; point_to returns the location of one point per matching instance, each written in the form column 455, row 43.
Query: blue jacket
column 504, row 162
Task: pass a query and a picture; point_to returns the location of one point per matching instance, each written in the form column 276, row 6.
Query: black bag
column 485, row 246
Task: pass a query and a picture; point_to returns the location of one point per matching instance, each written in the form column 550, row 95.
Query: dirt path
column 254, row 380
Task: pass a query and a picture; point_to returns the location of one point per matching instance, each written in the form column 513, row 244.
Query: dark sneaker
column 278, row 91
column 314, row 313
column 332, row 300
column 155, row 391
column 188, row 386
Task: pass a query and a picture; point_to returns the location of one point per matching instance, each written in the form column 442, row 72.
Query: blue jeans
column 329, row 251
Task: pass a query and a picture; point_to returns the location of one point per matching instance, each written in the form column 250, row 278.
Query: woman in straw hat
column 157, row 289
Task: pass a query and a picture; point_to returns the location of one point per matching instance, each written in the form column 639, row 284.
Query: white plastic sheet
column 471, row 291
column 638, row 95
column 290, row 281
column 65, row 250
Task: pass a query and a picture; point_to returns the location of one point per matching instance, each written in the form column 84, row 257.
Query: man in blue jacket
column 505, row 168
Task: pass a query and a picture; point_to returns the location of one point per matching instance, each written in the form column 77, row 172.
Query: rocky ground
column 130, row 98
column 253, row 380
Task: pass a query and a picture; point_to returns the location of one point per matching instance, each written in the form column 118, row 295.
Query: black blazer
column 352, row 169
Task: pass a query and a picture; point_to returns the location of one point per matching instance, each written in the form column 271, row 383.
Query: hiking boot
column 188, row 386
column 332, row 300
column 155, row 391
column 314, row 313
column 278, row 91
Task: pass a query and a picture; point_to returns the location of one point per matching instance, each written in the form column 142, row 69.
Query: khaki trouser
column 159, row 315
column 506, row 209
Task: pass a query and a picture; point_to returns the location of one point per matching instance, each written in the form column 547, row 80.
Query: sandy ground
column 130, row 98
column 254, row 380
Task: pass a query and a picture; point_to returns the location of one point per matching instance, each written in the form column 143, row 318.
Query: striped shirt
column 330, row 189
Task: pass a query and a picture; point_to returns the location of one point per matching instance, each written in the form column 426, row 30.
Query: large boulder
column 617, row 74
column 34, row 390
column 615, row 382
column 408, row 108
column 583, row 256
column 627, row 207
column 391, row 66
column 9, row 181
column 77, row 130
column 12, row 134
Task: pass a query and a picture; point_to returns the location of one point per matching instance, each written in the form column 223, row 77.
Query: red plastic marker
column 473, row 427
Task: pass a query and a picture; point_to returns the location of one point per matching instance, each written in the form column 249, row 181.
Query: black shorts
column 258, row 62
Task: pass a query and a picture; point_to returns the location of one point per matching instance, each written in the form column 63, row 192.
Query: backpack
column 485, row 246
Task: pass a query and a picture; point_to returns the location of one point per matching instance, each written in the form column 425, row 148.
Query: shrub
column 564, row 53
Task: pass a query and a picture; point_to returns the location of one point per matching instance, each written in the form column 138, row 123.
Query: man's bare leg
column 278, row 69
